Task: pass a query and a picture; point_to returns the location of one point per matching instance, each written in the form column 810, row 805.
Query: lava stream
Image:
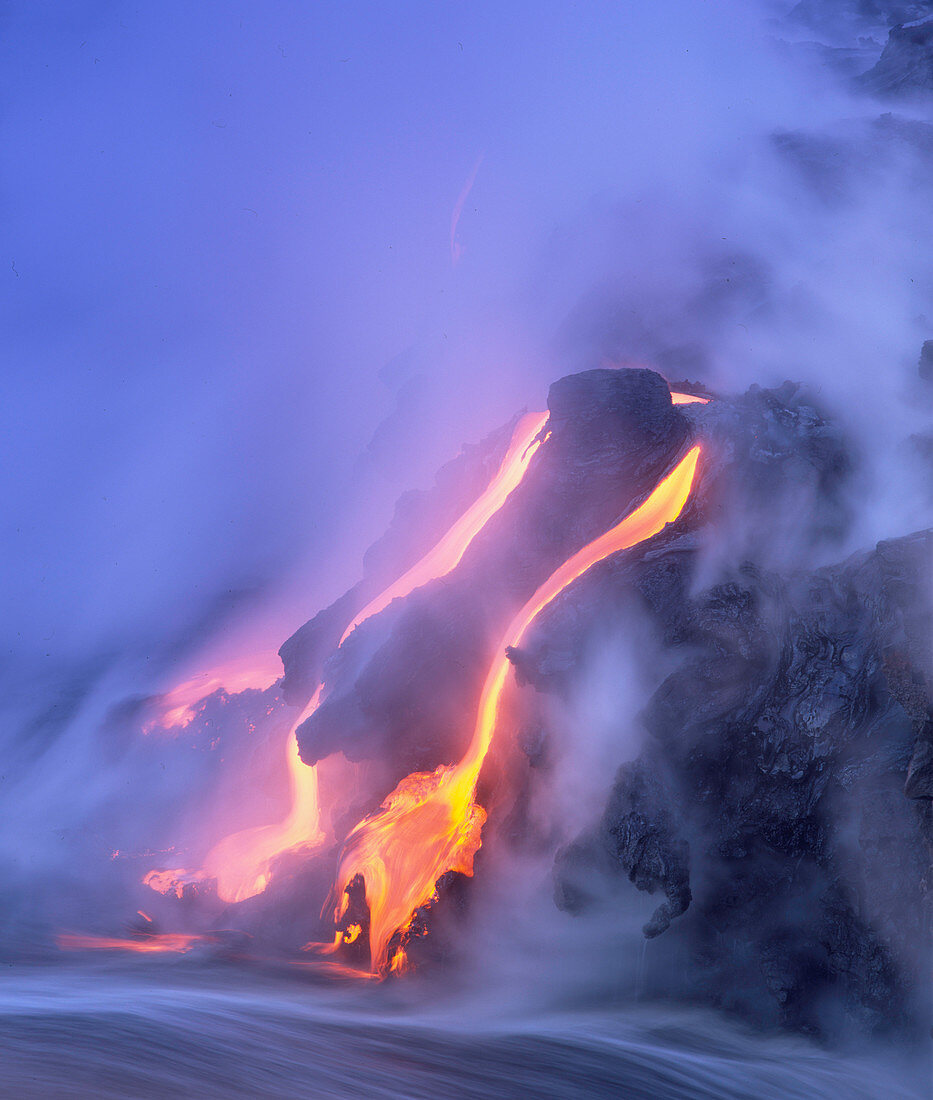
column 430, row 823
column 178, row 708
column 688, row 399
column 446, row 555
column 242, row 862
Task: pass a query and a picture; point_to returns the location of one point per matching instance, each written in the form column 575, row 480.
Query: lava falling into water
column 150, row 944
column 242, row 862
column 430, row 823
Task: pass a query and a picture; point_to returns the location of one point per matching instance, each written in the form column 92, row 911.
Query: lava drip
column 688, row 399
column 242, row 862
column 430, row 823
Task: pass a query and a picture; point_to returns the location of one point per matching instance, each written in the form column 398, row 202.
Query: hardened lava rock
column 402, row 690
column 905, row 68
column 791, row 754
column 420, row 518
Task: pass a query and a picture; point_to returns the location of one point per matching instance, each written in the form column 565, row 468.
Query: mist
column 270, row 265
column 230, row 263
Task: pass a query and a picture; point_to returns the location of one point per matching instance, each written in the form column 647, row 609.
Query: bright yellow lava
column 430, row 823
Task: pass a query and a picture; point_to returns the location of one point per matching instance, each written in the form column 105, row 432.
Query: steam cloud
column 236, row 332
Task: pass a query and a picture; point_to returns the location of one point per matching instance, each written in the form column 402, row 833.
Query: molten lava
column 242, row 862
column 178, row 708
column 430, row 823
column 446, row 555
column 151, row 943
column 688, row 399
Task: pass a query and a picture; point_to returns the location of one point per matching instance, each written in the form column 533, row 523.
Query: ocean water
column 184, row 1027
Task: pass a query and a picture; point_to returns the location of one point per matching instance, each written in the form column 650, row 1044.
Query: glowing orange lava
column 178, row 708
column 688, row 399
column 175, row 942
column 446, row 555
column 242, row 862
column 430, row 824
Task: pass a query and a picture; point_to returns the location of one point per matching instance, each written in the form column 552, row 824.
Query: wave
column 130, row 1029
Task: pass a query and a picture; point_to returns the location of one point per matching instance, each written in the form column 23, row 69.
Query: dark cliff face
column 905, row 68
column 781, row 803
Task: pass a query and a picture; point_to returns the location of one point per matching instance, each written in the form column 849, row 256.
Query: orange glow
column 688, row 399
column 178, row 708
column 145, row 916
column 400, row 963
column 172, row 881
column 242, row 862
column 333, row 968
column 430, row 824
column 352, row 933
column 176, row 942
column 446, row 555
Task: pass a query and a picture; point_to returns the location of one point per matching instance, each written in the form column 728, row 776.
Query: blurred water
column 189, row 1028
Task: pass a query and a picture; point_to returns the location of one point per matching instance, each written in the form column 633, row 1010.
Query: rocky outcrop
column 782, row 803
column 403, row 688
column 792, row 752
column 420, row 517
column 905, row 68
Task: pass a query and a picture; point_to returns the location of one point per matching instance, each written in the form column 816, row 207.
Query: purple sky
column 227, row 249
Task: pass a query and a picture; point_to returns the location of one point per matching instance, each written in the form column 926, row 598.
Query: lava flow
column 688, row 399
column 446, row 555
column 242, row 862
column 430, row 823
column 149, row 944
column 178, row 708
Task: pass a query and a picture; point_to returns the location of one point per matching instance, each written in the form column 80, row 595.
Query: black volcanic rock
column 407, row 700
column 421, row 518
column 781, row 800
column 774, row 483
column 905, row 68
column 783, row 467
column 303, row 654
column 792, row 751
column 403, row 688
column 856, row 17
column 592, row 409
column 643, row 831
